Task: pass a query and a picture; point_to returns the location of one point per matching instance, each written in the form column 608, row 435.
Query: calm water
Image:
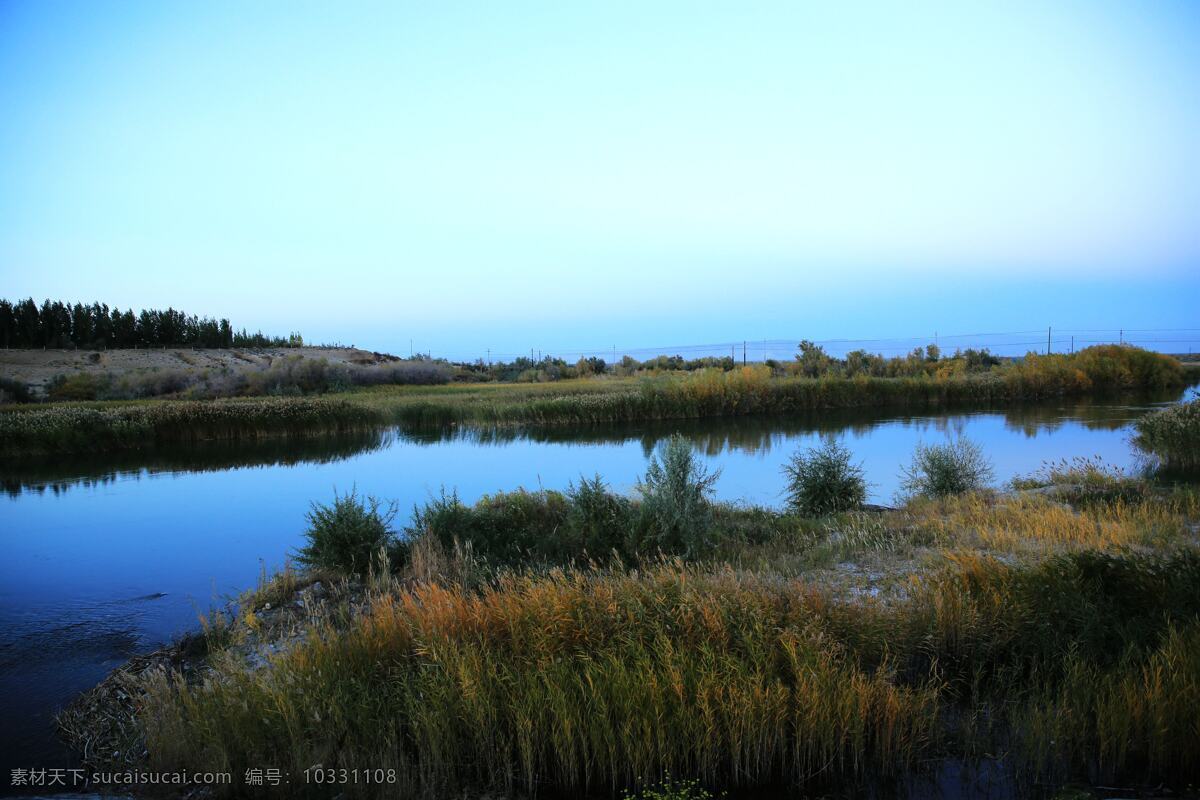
column 105, row 559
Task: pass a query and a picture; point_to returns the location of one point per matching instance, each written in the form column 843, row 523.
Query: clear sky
column 566, row 175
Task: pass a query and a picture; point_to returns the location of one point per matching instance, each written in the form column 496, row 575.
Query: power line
column 997, row 340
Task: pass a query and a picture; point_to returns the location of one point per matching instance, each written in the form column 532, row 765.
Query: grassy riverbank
column 98, row 427
column 578, row 642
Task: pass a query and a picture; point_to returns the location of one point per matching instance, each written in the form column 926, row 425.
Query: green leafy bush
column 506, row 528
column 942, row 470
column 676, row 495
column 599, row 521
column 823, row 481
column 348, row 535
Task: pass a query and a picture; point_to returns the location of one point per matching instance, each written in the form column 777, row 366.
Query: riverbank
column 1048, row 633
column 110, row 426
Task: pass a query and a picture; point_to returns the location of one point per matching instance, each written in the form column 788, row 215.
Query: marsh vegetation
column 709, row 392
column 587, row 642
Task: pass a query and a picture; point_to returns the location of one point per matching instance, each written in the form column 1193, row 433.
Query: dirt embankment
column 37, row 367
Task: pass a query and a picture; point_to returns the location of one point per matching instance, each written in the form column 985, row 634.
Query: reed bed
column 595, row 680
column 1033, row 524
column 72, row 428
column 577, row 681
column 1172, row 434
column 745, row 391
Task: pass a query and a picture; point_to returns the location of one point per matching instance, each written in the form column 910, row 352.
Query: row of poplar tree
column 56, row 324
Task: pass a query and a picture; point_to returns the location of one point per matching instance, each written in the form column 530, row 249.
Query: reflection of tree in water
column 1109, row 414
column 760, row 434
column 713, row 436
column 62, row 473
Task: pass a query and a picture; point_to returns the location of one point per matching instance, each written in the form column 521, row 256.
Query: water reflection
column 109, row 556
column 713, row 437
column 58, row 474
column 759, row 434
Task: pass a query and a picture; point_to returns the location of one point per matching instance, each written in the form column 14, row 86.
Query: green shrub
column 1172, row 434
column 14, row 391
column 348, row 535
column 676, row 506
column 599, row 520
column 822, row 481
column 942, row 470
column 79, row 386
column 506, row 528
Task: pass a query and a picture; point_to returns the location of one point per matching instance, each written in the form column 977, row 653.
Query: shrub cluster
column 672, row 515
column 352, row 535
column 823, row 481
column 942, row 470
column 289, row 376
column 1172, row 434
column 1101, row 367
column 14, row 391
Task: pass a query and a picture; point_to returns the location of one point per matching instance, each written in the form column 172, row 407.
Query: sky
column 468, row 177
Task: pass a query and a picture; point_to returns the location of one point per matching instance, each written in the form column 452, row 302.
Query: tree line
column 61, row 325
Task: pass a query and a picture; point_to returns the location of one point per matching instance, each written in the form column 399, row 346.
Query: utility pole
column 743, row 352
column 1072, row 344
column 1047, row 340
column 489, row 356
column 1122, row 336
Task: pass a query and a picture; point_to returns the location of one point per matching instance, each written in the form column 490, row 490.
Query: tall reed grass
column 101, row 427
column 743, row 391
column 1172, row 434
column 595, row 680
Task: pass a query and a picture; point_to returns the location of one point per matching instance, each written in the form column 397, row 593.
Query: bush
column 1172, row 434
column 675, row 499
column 349, row 535
column 942, row 470
column 822, row 481
column 506, row 529
column 599, row 520
column 14, row 391
column 79, row 386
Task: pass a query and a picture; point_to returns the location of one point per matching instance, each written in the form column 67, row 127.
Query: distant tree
column 813, row 359
column 82, row 329
column 8, row 324
column 28, row 324
column 57, row 324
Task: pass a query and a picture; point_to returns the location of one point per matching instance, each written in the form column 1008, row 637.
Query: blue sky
column 569, row 176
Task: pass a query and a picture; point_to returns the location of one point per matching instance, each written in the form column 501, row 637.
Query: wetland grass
column 710, row 392
column 1172, row 435
column 1058, row 639
column 592, row 680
